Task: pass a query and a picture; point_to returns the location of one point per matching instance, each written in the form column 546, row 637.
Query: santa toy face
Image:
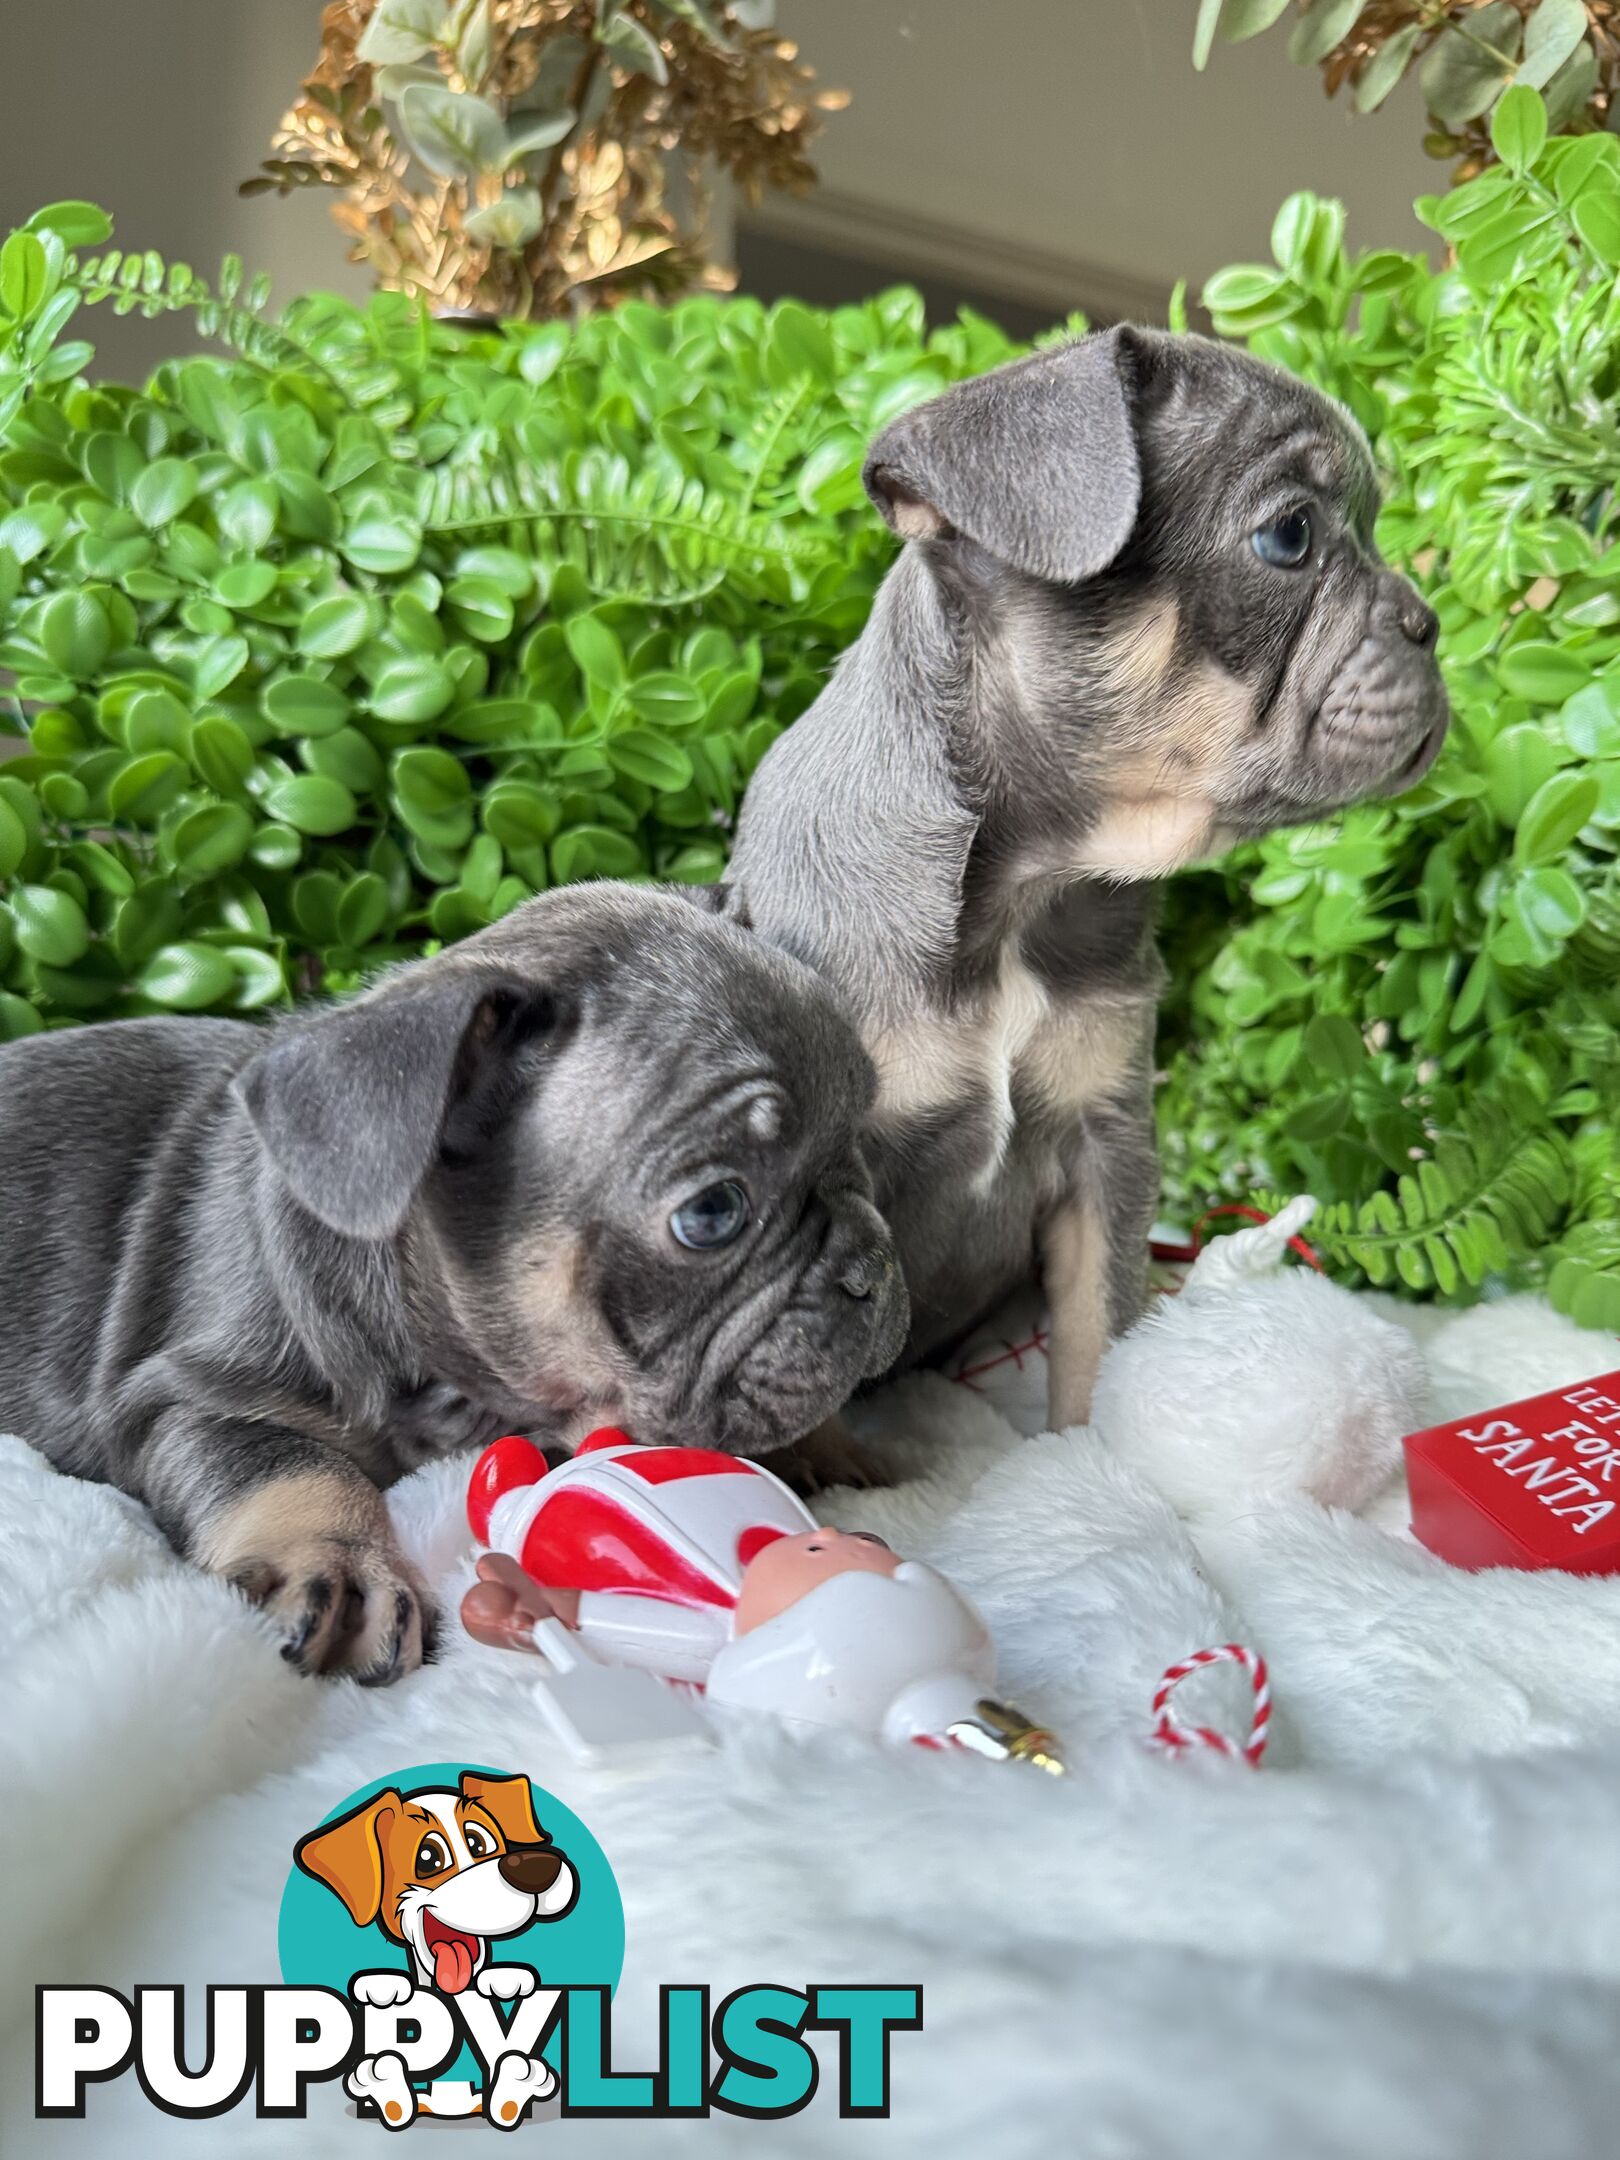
column 790, row 1567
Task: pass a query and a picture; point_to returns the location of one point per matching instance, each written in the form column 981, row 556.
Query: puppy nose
column 1418, row 620
column 532, row 1868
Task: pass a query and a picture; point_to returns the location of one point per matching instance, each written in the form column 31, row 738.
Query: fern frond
column 1493, row 1190
column 657, row 535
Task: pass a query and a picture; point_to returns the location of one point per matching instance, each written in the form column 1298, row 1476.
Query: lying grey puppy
column 596, row 1165
column 1142, row 616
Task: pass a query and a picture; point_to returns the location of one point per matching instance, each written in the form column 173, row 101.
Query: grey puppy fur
column 1141, row 616
column 252, row 1276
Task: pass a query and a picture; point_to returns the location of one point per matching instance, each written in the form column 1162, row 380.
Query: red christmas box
column 1533, row 1484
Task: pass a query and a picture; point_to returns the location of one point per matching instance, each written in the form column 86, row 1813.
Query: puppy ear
column 1037, row 462
column 721, row 899
column 510, row 1800
column 346, row 1855
column 351, row 1108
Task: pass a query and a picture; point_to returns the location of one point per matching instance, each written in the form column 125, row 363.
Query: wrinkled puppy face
column 638, row 1196
column 1189, row 603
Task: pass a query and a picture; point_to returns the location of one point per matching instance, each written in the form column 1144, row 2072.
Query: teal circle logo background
column 320, row 1946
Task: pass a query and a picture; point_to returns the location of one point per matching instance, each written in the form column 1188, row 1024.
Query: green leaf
column 1324, row 24
column 1242, row 19
column 1543, row 672
column 1209, row 17
column 597, row 652
column 510, row 223
column 1551, row 34
column 453, row 133
column 312, row 803
column 401, row 31
column 209, row 841
column 798, row 345
column 1519, row 123
column 187, row 977
column 163, row 490
column 1597, row 220
column 25, row 276
column 13, row 839
column 1551, row 901
column 143, row 787
column 1591, row 720
column 538, row 131
column 1385, row 69
column 1467, row 67
column 50, row 925
column 76, row 633
column 587, row 851
column 334, row 627
column 431, row 782
column 17, row 1018
column 414, row 689
column 218, row 664
column 1333, row 1047
column 385, row 545
column 651, row 758
column 1570, row 90
column 520, row 815
column 259, row 978
column 363, row 910
column 75, row 224
column 246, row 515
column 632, row 45
column 482, row 607
column 304, row 705
column 1554, row 815
column 221, row 753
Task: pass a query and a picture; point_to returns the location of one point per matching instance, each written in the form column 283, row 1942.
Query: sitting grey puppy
column 596, row 1165
column 1142, row 616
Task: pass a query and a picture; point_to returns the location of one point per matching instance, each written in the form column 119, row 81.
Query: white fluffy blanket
column 1401, row 1936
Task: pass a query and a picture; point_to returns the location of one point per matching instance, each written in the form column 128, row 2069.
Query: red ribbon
column 1162, row 1250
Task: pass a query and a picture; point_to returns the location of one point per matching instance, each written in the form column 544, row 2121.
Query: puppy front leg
column 302, row 1532
column 1094, row 1250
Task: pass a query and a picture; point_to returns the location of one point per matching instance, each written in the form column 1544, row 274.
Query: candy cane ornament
column 1170, row 1733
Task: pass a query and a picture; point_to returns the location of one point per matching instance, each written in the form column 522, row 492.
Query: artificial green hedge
column 346, row 642
column 1414, row 1011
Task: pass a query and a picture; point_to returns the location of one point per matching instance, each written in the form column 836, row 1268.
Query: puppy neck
column 1086, row 739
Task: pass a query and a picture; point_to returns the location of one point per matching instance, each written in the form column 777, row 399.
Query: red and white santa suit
column 655, row 1539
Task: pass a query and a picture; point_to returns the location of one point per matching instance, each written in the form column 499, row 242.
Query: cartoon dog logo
column 447, row 1872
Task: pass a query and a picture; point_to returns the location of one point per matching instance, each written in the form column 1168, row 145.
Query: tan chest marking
column 1071, row 1053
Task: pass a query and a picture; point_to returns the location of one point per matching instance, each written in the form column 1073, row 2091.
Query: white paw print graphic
column 382, row 2080
column 518, row 2081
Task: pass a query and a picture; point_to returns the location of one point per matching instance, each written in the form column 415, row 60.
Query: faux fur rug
column 1400, row 1936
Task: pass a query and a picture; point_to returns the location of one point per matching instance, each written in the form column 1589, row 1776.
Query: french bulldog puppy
column 1141, row 616
column 598, row 1164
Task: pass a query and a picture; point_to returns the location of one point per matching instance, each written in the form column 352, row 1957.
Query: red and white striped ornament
column 1170, row 1733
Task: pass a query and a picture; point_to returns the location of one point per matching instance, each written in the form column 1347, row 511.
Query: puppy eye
column 716, row 1216
column 478, row 1844
column 432, row 1856
column 1286, row 543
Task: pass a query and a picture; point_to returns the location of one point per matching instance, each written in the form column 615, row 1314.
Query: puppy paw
column 382, row 1990
column 518, row 2081
column 315, row 1552
column 506, row 1983
column 381, row 2080
column 831, row 1455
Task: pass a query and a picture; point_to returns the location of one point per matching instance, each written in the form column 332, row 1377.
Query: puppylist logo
column 450, row 1940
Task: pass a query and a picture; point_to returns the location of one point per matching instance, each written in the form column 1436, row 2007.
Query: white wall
column 1075, row 128
column 1078, row 129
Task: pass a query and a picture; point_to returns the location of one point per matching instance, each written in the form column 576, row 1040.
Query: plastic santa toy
column 706, row 1569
